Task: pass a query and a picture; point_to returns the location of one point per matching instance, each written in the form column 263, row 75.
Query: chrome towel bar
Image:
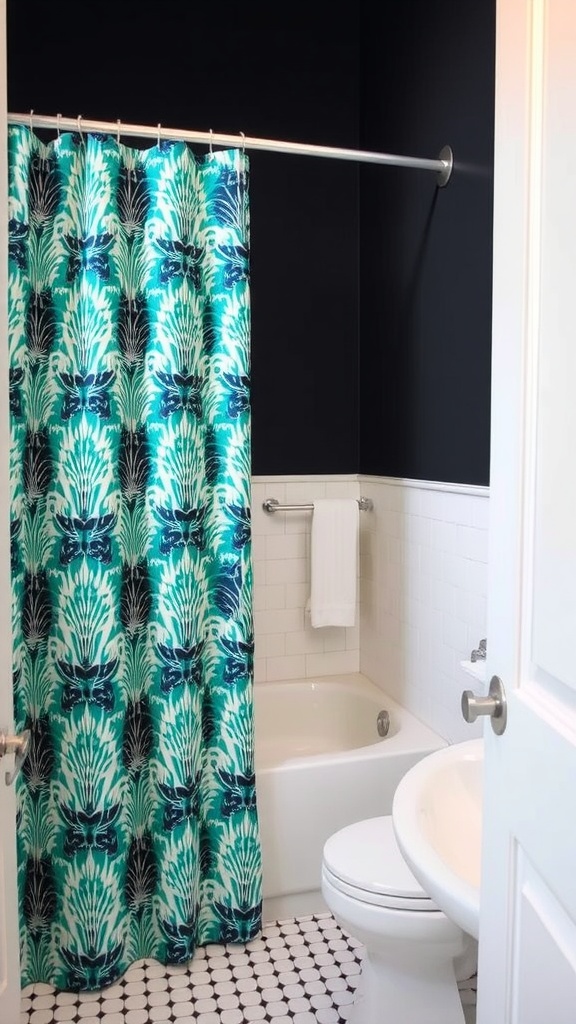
column 273, row 505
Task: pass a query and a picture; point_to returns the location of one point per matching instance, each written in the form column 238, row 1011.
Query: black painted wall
column 350, row 300
column 426, row 253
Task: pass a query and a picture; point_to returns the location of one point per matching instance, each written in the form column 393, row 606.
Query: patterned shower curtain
column 133, row 639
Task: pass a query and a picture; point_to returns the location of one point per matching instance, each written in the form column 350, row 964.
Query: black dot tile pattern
column 301, row 971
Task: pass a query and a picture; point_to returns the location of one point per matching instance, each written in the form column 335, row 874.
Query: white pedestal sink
column 437, row 816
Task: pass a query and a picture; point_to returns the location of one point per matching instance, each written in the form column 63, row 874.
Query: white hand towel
column 334, row 562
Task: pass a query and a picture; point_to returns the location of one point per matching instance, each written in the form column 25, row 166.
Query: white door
column 9, row 959
column 527, row 966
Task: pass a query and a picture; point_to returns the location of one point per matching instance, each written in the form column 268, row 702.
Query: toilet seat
column 363, row 861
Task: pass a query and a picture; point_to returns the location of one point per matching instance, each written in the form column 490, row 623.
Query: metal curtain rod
column 442, row 165
column 273, row 505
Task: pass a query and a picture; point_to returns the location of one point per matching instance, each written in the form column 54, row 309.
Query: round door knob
column 18, row 745
column 494, row 705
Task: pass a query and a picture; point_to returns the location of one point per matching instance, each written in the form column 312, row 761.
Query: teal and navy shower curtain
column 133, row 639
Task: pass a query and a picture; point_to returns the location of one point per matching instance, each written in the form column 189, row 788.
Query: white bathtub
column 320, row 765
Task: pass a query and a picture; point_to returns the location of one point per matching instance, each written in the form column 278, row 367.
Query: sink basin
column 437, row 816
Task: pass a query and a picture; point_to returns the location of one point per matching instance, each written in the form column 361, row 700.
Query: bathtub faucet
column 480, row 653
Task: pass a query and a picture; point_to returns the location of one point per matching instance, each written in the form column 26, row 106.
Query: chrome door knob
column 493, row 705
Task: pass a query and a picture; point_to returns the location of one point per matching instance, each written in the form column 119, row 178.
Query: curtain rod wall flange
column 442, row 165
column 447, row 157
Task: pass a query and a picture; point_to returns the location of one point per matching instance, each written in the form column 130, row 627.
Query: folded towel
column 334, row 562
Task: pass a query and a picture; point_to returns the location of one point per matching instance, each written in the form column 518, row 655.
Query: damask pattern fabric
column 129, row 324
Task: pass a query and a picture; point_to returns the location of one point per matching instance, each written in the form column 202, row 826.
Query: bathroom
column 371, row 302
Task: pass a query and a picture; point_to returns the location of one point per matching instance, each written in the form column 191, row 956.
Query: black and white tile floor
column 301, row 971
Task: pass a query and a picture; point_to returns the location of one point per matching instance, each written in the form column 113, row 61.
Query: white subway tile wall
column 422, row 591
column 287, row 647
column 423, row 586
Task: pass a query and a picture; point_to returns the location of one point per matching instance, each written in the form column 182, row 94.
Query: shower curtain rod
column 442, row 165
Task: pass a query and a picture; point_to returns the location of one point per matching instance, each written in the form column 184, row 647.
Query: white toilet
column 414, row 954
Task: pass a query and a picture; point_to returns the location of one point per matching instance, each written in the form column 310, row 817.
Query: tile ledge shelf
column 476, row 490
column 476, row 669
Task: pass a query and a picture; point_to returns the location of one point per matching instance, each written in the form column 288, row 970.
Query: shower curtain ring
column 58, row 116
column 119, row 123
column 79, row 118
column 31, row 124
column 211, row 150
column 243, row 142
column 159, row 130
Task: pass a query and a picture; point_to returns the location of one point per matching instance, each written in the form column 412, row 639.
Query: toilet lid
column 365, row 857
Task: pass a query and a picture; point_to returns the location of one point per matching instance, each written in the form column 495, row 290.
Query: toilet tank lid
column 366, row 855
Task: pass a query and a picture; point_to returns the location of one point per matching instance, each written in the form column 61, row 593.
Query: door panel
column 555, row 552
column 547, row 937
